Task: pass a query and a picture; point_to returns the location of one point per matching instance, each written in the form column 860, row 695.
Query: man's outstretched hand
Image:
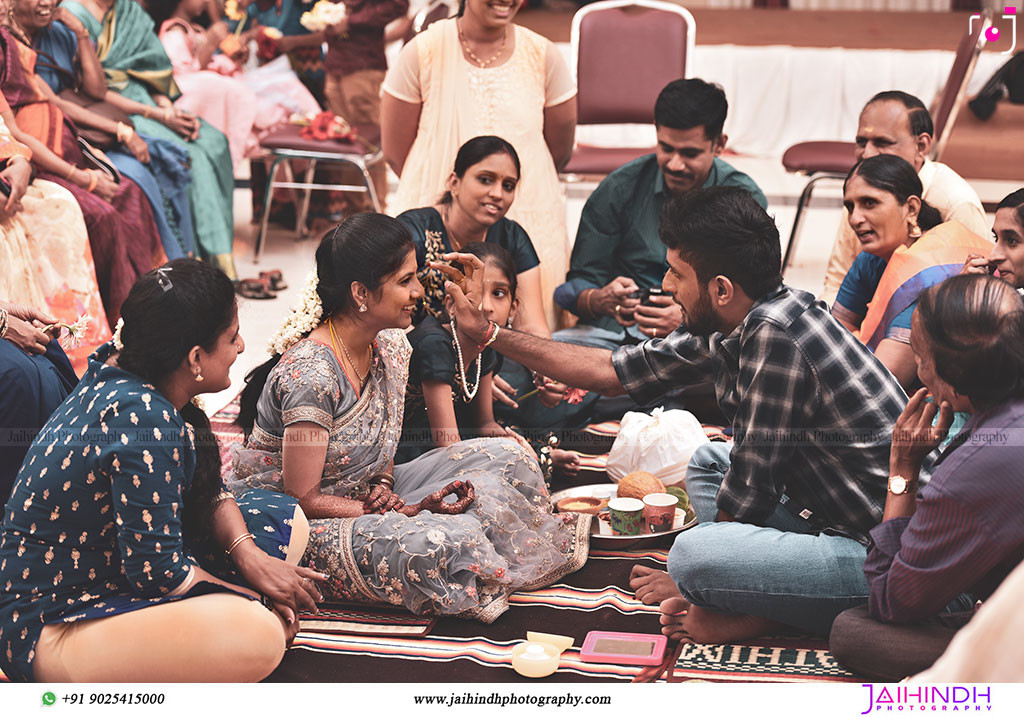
column 466, row 291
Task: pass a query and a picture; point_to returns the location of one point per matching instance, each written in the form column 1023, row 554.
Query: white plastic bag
column 660, row 443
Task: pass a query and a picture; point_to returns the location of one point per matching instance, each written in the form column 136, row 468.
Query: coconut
column 638, row 484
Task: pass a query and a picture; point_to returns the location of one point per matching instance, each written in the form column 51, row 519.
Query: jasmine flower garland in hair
column 118, row 344
column 304, row 317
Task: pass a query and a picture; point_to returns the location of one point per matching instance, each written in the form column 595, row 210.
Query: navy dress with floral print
column 93, row 527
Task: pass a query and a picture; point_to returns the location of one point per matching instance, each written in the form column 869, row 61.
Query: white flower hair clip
column 118, row 344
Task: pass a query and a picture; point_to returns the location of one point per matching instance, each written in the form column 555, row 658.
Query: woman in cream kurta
column 460, row 100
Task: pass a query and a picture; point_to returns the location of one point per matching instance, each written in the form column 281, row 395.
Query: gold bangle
column 147, row 111
column 5, row 319
column 385, row 479
column 589, row 294
column 70, row 172
column 94, row 179
column 238, row 541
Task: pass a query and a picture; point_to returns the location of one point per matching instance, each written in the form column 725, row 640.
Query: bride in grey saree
column 386, row 533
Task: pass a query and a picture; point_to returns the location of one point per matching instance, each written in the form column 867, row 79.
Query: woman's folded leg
column 211, row 638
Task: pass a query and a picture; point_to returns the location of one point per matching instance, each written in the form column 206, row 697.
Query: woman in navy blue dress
column 120, row 493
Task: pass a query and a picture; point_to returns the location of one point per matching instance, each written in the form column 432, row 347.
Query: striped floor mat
column 378, row 647
column 591, row 599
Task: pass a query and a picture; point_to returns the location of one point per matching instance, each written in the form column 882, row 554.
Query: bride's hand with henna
column 436, row 503
column 381, row 499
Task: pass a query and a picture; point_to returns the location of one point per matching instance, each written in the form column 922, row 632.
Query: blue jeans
column 781, row 572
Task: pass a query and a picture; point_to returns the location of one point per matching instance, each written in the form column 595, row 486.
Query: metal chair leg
column 370, row 188
column 268, row 197
column 300, row 224
column 801, row 205
column 289, row 176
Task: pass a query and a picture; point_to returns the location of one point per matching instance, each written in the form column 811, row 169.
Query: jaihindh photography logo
column 927, row 698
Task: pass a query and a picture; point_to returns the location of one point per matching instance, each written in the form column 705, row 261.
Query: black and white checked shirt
column 812, row 410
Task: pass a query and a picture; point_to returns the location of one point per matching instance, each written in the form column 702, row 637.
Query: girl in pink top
column 244, row 105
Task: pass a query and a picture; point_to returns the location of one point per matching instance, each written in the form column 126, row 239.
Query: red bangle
column 491, row 326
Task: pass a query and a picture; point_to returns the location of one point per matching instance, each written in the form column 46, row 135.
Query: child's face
column 499, row 304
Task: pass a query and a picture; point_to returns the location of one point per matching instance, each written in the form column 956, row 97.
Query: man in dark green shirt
column 617, row 250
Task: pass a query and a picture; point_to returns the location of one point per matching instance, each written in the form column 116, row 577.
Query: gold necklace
column 472, row 55
column 446, row 221
column 336, row 337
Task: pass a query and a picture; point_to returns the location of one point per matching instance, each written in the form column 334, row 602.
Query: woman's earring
column 199, row 375
column 915, row 230
column 362, row 308
column 508, row 324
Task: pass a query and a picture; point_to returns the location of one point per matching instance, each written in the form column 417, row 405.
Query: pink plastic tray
column 623, row 648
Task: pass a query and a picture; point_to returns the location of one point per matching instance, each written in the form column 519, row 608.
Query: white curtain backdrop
column 780, row 95
column 901, row 5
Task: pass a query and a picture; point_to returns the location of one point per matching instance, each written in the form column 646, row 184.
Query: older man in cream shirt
column 895, row 122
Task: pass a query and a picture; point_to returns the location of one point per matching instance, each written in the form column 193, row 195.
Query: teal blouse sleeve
column 519, row 245
column 858, row 288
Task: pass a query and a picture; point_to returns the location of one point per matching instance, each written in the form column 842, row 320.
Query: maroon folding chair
column 626, row 51
column 288, row 144
column 834, row 160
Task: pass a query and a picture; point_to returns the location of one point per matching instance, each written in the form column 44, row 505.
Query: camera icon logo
column 993, row 33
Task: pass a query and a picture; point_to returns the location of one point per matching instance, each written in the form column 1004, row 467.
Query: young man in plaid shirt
column 785, row 512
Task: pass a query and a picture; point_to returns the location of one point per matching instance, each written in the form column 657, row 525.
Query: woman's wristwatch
column 898, row 485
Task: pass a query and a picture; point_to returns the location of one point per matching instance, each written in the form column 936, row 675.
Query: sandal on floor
column 273, row 279
column 253, row 289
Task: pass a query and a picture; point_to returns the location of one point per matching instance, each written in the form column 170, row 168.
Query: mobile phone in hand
column 646, row 294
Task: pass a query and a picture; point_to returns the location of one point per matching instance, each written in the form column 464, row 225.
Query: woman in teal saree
column 139, row 81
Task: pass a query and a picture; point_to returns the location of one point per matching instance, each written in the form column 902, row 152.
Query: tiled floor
column 260, row 319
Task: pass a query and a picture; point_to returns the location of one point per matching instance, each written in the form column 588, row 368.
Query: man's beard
column 701, row 321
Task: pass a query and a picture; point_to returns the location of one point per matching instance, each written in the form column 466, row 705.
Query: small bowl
column 582, row 504
column 541, row 664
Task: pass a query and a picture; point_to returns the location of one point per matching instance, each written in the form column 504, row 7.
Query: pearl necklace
column 469, row 394
column 472, row 55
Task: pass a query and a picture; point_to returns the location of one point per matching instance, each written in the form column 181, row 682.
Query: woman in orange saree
column 44, row 249
column 905, row 249
column 122, row 233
